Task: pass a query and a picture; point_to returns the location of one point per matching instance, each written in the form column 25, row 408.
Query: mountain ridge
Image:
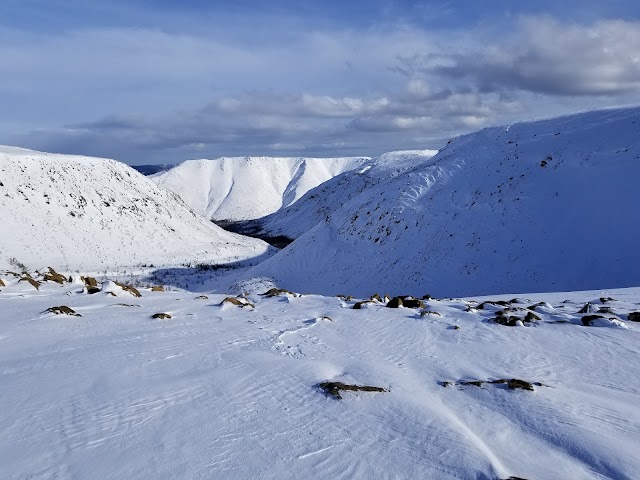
column 243, row 188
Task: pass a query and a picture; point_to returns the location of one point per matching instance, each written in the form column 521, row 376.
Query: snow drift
column 72, row 212
column 539, row 206
column 241, row 188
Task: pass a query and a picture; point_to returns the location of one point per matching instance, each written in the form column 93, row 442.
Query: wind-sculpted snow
column 241, row 188
column 172, row 384
column 547, row 205
column 97, row 214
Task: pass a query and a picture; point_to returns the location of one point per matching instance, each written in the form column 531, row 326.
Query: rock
column 359, row 305
column 475, row 383
column 202, row 297
column 395, row 302
column 239, row 302
column 161, row 316
column 277, row 292
column 376, row 297
column 346, row 298
column 31, row 281
column 424, row 313
column 500, row 303
column 633, row 317
column 92, row 290
column 531, row 317
column 53, row 276
column 587, row 319
column 62, row 310
column 512, row 383
column 157, row 288
column 508, row 321
column 606, row 299
column 90, row 281
column 405, row 301
column 2, row 284
column 334, row 388
column 412, row 303
column 129, row 288
column 515, row 383
column 587, row 308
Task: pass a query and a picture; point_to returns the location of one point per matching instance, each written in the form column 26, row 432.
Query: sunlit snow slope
column 241, row 188
column 93, row 214
column 541, row 206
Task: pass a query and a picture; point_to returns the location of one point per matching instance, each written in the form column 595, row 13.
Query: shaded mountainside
column 74, row 212
column 539, row 206
column 153, row 169
column 242, row 188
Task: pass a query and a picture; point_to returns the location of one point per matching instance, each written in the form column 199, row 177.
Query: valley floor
column 229, row 392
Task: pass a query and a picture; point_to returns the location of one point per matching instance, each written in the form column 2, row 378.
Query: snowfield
column 92, row 214
column 242, row 188
column 230, row 392
column 533, row 207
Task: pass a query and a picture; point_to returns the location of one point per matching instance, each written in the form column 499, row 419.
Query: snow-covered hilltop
column 540, row 206
column 241, row 188
column 72, row 212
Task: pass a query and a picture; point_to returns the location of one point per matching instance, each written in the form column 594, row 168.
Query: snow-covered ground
column 230, row 392
column 241, row 188
column 539, row 206
column 94, row 214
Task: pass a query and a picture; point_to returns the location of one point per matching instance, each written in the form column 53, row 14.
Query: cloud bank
column 145, row 95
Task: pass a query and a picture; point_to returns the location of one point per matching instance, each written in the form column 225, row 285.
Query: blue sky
column 163, row 81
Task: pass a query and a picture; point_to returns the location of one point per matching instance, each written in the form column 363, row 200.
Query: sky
column 163, row 81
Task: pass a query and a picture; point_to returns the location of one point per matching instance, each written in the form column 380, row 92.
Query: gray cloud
column 548, row 57
column 259, row 122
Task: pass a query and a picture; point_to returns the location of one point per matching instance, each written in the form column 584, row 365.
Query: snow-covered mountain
column 318, row 203
column 241, row 188
column 539, row 206
column 72, row 212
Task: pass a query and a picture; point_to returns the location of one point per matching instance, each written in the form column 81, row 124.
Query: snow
column 91, row 214
column 241, row 188
column 547, row 205
column 231, row 392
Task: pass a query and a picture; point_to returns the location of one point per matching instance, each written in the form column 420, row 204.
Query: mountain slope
column 241, row 188
column 72, row 212
column 318, row 203
column 548, row 205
